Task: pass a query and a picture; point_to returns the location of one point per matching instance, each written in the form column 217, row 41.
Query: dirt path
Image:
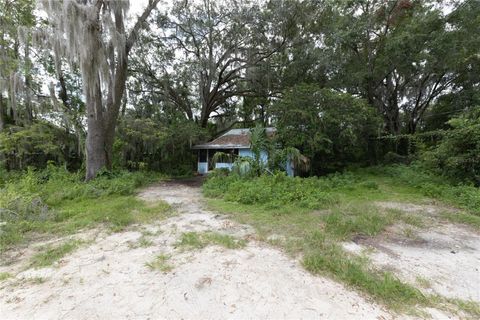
column 109, row 279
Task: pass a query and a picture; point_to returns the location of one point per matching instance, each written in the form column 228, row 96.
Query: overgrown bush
column 332, row 129
column 154, row 145
column 457, row 155
column 35, row 199
column 273, row 191
column 433, row 185
column 36, row 145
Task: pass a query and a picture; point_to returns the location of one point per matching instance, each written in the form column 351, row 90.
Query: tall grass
column 465, row 196
column 57, row 201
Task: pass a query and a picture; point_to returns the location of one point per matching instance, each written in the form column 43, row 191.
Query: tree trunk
column 28, row 80
column 412, row 125
column 95, row 144
column 2, row 115
column 203, row 121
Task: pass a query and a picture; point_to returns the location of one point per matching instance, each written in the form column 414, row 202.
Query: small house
column 235, row 142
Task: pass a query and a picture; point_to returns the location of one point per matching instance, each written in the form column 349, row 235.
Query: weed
column 49, row 254
column 195, row 240
column 57, row 201
column 434, row 186
column 469, row 306
column 4, row 275
column 381, row 285
column 423, row 282
column 413, row 220
column 160, row 263
column 463, row 218
column 36, row 280
column 143, row 242
column 345, row 221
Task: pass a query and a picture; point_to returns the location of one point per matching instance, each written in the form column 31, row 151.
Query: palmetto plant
column 256, row 166
column 223, row 157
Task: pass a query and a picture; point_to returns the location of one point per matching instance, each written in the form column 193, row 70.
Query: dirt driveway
column 109, row 278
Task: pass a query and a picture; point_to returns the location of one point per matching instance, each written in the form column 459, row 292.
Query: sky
column 137, row 6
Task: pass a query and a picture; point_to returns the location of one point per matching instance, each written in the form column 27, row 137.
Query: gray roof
column 232, row 139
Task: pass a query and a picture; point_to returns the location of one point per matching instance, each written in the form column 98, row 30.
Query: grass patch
column 144, row 242
column 430, row 185
column 117, row 212
column 463, row 218
column 423, row 282
column 328, row 258
column 50, row 254
column 196, row 240
column 345, row 221
column 4, row 276
column 160, row 263
column 56, row 201
column 470, row 307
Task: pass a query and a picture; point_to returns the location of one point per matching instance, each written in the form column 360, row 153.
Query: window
column 202, row 155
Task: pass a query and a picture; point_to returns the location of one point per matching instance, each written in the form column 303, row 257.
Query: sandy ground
column 443, row 258
column 108, row 278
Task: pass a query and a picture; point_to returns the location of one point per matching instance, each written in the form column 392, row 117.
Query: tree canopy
column 344, row 82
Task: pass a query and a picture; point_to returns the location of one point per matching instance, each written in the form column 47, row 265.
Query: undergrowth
column 57, row 201
column 464, row 196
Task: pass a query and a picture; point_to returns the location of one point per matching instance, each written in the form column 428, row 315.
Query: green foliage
column 152, row 145
column 276, row 190
column 56, row 201
column 330, row 128
column 35, row 145
column 51, row 254
column 160, row 263
column 434, row 186
column 196, row 240
column 457, row 155
column 326, row 257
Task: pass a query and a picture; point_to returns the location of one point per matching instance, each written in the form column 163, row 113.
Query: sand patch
column 443, row 258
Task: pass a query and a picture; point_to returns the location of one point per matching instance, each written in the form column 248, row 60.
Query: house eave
column 217, row 146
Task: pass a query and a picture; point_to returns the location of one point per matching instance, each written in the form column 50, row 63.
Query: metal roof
column 232, row 139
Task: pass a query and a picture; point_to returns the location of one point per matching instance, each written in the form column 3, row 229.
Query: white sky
column 137, row 7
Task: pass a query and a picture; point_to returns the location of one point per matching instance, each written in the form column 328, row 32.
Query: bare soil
column 108, row 278
column 443, row 258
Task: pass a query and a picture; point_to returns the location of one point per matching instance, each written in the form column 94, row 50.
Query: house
column 235, row 142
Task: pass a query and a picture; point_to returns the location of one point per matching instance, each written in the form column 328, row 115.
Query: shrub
column 457, row 155
column 274, row 191
column 435, row 186
column 37, row 144
column 332, row 129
